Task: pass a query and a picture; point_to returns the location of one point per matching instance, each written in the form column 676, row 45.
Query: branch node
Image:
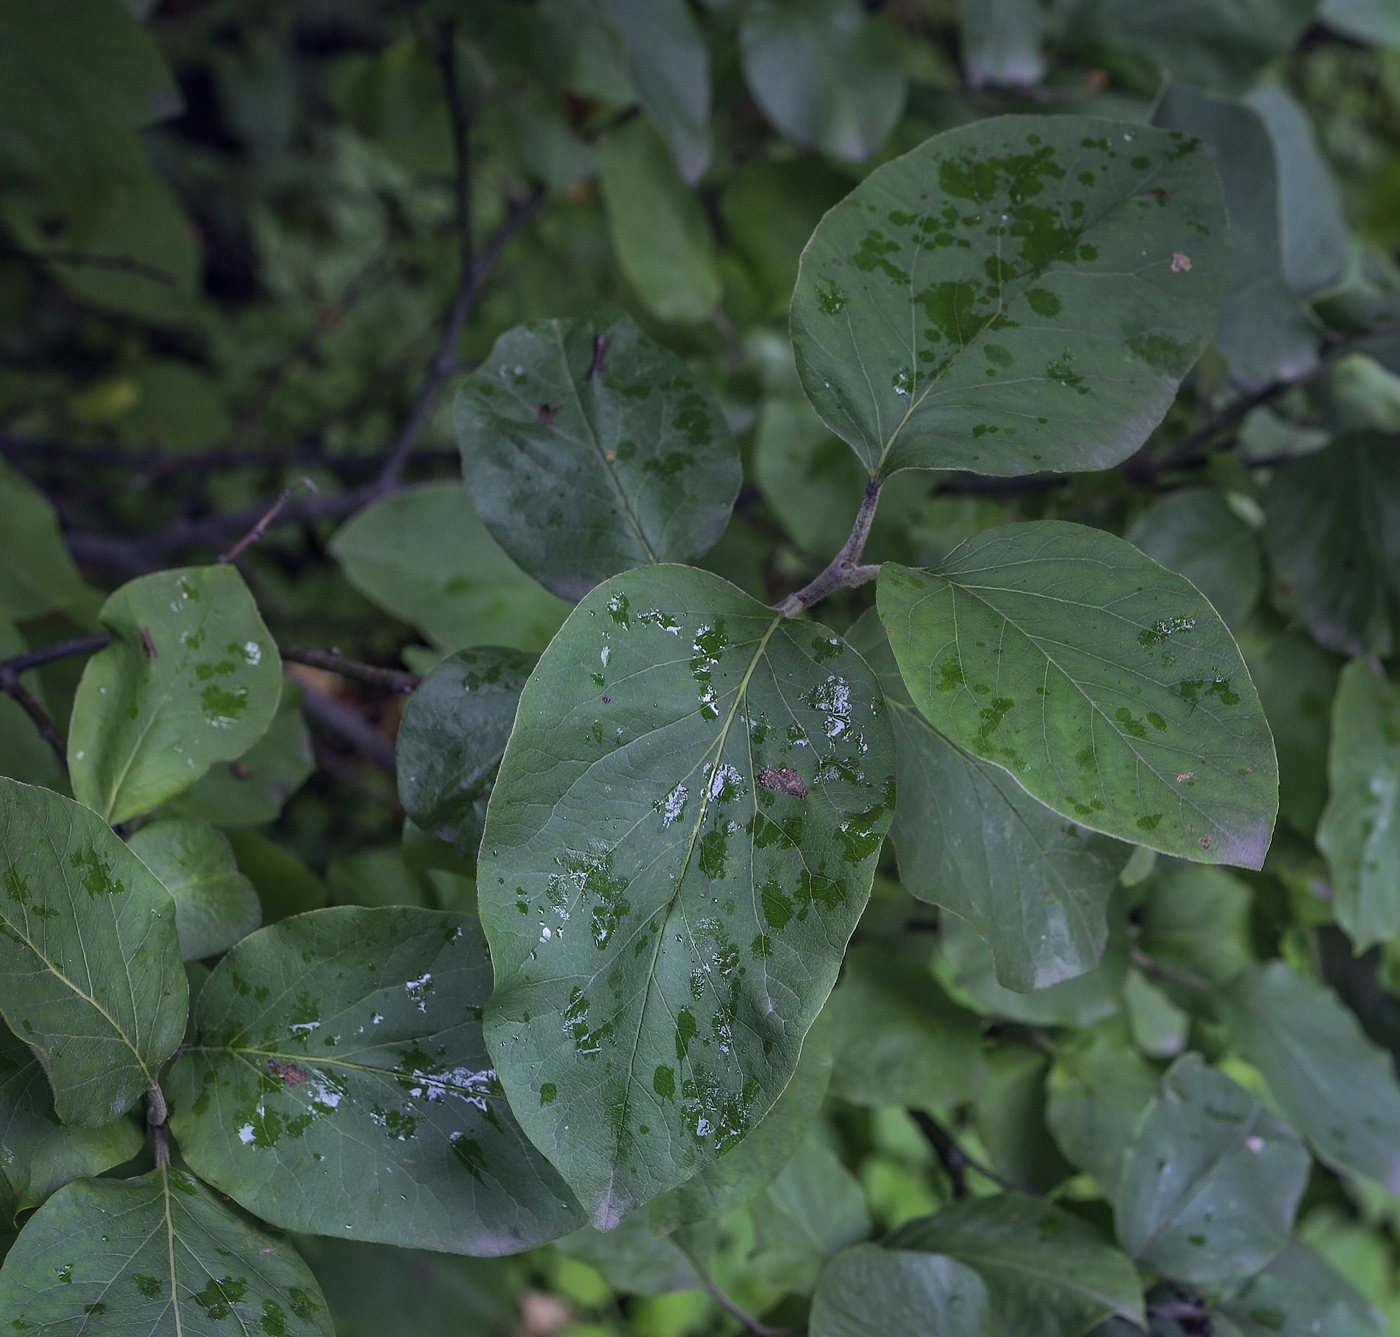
column 844, row 570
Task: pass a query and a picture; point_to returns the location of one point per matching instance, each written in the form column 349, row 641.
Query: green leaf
column 1047, row 1273
column 36, row 572
column 824, row 73
column 450, row 742
column 659, row 232
column 970, row 839
column 702, row 824
column 749, row 1167
column 253, row 790
column 158, row 1256
column 1332, row 530
column 1105, row 684
column 1374, row 21
column 1263, row 329
column 39, row 1155
column 1159, row 1028
column 589, row 449
column 1210, row 1183
column 813, row 1210
column 284, row 884
column 1360, row 828
column 215, row 905
column 633, row 1260
column 191, row 678
column 1198, row 919
column 348, row 1033
column 934, row 305
column 898, row 1040
column 1002, row 43
column 424, row 556
column 1097, row 1092
column 1008, row 1113
column 870, row 1291
column 1299, row 1295
column 90, row 973
column 669, row 64
column 1331, row 1083
column 1195, row 533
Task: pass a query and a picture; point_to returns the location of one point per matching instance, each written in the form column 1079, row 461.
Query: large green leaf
column 1198, row 920
column 870, row 1291
column 1299, row 1295
column 970, row 839
column 1048, row 1274
column 589, row 449
column 215, row 905
column 1104, row 683
column 1332, row 1084
column 680, row 841
column 424, row 556
column 341, row 1051
column 1211, row 1181
column 38, row 1154
column 1332, row 529
column 158, row 1256
column 90, row 972
column 1360, row 827
column 36, row 572
column 191, row 677
column 450, row 742
column 824, row 73
column 1021, row 294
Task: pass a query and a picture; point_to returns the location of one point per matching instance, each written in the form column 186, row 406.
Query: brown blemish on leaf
column 148, row 643
column 784, row 780
column 600, row 357
column 238, row 770
column 544, row 414
column 1184, row 776
column 288, row 1073
column 1205, row 842
column 1180, row 262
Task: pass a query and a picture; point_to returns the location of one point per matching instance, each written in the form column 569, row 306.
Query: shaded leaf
column 824, row 73
column 424, row 556
column 1034, row 886
column 1374, row 21
column 155, row 1258
column 215, row 905
column 589, row 449
column 36, row 572
column 284, row 884
column 1105, row 684
column 1008, row 1113
column 702, row 824
column 1332, row 1084
column 1298, row 1294
column 1360, row 828
column 191, row 678
column 870, row 1291
column 90, row 973
column 952, row 312
column 352, row 1029
column 1001, row 43
column 1211, row 1181
column 1198, row 919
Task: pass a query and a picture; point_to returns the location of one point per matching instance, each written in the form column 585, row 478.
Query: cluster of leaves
column 673, row 961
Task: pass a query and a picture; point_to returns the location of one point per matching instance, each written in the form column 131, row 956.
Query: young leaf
column 1298, row 1295
column 680, row 841
column 871, row 1291
column 1335, row 1086
column 589, row 449
column 424, row 556
column 157, row 1256
column 970, row 839
column 450, row 743
column 39, row 1154
column 191, row 677
column 955, row 311
column 215, row 905
column 90, row 973
column 1360, row 828
column 1210, row 1183
column 350, row 1029
column 1104, row 683
column 1046, row 1272
column 825, row 73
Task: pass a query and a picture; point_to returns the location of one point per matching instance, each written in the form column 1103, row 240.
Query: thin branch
column 122, row 263
column 461, row 139
column 259, row 529
column 331, row 662
column 844, row 570
column 50, row 654
column 1151, row 966
column 954, row 1160
column 30, row 704
column 748, row 1320
column 353, row 728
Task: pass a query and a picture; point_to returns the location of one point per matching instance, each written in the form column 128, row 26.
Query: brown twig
column 259, row 529
column 332, row 662
column 29, row 703
column 748, row 1320
column 954, row 1160
column 844, row 570
column 461, row 140
column 354, row 729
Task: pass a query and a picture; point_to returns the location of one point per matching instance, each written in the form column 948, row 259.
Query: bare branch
column 29, row 703
column 354, row 729
column 748, row 1320
column 954, row 1160
column 259, row 529
column 122, row 263
column 331, row 662
column 844, row 570
column 1151, row 966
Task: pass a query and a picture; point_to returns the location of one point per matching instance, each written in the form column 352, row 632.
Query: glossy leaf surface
column 1104, row 683
column 215, row 905
column 695, row 793
column 1333, row 1084
column 871, row 1291
column 341, row 1051
column 952, row 312
column 1210, row 1183
column 90, row 973
column 155, row 1258
column 191, row 678
column 1298, row 1295
column 590, row 449
column 970, row 839
column 1046, row 1272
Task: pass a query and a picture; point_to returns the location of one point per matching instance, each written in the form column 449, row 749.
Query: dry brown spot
column 1185, row 775
column 784, row 780
column 599, row 364
column 611, row 457
column 238, row 770
column 544, row 414
column 1205, row 842
column 148, row 643
column 1180, row 261
column 288, row 1073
